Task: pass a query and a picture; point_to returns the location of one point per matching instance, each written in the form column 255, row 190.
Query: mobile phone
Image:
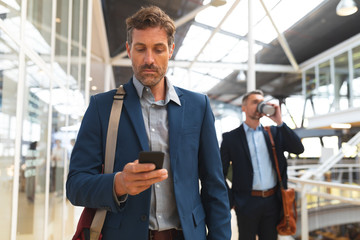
column 155, row 157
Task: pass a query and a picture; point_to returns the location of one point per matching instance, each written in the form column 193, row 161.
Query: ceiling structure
column 314, row 33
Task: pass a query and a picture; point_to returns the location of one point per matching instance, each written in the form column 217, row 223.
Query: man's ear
column 172, row 50
column 243, row 108
column 128, row 50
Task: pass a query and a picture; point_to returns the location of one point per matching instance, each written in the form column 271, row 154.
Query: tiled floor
column 31, row 219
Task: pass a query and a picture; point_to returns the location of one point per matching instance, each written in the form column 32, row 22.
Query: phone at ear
column 155, row 157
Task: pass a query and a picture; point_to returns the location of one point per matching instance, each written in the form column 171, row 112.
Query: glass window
column 324, row 94
column 61, row 38
column 310, row 82
column 67, row 106
column 341, row 88
column 8, row 91
column 33, row 153
column 38, row 27
column 310, row 91
column 356, row 81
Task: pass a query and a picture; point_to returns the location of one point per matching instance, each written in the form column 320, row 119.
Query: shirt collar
column 247, row 128
column 170, row 91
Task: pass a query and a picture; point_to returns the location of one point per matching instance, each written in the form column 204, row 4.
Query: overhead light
column 217, row 3
column 241, row 76
column 346, row 8
column 94, row 88
column 341, row 125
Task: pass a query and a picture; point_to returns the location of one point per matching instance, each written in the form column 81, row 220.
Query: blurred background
column 304, row 55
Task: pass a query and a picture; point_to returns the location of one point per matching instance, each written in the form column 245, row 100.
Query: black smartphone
column 155, row 157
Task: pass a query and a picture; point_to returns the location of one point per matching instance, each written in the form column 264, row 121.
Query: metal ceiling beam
column 251, row 72
column 191, row 15
column 219, row 65
column 215, row 31
column 282, row 40
column 227, row 33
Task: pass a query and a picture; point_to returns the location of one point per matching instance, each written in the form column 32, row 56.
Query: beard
column 149, row 79
column 255, row 116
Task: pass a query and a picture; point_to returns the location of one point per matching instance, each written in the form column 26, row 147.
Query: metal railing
column 330, row 192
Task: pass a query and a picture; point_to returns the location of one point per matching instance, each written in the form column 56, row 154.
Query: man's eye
column 140, row 49
column 159, row 50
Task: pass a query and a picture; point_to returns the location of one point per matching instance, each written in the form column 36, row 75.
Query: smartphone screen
column 155, row 157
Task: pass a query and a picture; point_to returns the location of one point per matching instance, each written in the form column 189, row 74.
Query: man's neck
column 159, row 90
column 252, row 123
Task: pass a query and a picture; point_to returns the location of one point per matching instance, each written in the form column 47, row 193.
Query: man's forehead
column 255, row 97
column 155, row 36
column 158, row 31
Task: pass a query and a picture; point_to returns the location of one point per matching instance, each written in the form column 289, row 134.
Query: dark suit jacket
column 194, row 155
column 235, row 149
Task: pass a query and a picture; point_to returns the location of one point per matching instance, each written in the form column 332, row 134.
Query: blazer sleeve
column 86, row 186
column 213, row 190
column 289, row 140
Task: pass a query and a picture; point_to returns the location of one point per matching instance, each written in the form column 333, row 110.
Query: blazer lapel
column 175, row 120
column 244, row 142
column 268, row 145
column 133, row 107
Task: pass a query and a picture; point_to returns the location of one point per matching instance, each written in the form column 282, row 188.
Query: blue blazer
column 194, row 156
column 234, row 148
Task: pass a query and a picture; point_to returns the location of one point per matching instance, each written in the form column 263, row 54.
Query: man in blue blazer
column 144, row 203
column 255, row 194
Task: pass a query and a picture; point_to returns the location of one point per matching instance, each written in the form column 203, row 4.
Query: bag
column 83, row 227
column 287, row 225
column 92, row 219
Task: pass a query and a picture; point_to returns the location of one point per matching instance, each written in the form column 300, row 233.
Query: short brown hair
column 246, row 96
column 150, row 17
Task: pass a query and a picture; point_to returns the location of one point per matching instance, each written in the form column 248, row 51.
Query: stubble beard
column 149, row 79
column 255, row 116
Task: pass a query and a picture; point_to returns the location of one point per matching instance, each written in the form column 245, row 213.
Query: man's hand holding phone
column 139, row 175
column 155, row 157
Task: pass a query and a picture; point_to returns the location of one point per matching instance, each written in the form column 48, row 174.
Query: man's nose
column 149, row 57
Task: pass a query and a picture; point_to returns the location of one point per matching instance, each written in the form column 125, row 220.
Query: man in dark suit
column 144, row 203
column 255, row 194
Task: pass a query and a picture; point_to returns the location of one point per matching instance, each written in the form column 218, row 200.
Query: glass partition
column 324, row 94
column 310, row 91
column 9, row 75
column 33, row 153
column 341, row 87
column 38, row 27
column 52, row 104
column 356, row 81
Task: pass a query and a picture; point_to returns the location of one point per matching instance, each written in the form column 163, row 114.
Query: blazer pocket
column 198, row 214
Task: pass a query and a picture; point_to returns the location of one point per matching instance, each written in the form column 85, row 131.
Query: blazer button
column 143, row 218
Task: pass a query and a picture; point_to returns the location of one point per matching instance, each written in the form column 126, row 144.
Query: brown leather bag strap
column 111, row 138
column 267, row 128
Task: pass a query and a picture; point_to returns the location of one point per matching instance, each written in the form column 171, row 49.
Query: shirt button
column 143, row 218
column 153, row 129
column 159, row 216
column 157, row 185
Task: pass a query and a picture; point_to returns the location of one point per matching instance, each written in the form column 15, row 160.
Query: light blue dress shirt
column 163, row 210
column 264, row 173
